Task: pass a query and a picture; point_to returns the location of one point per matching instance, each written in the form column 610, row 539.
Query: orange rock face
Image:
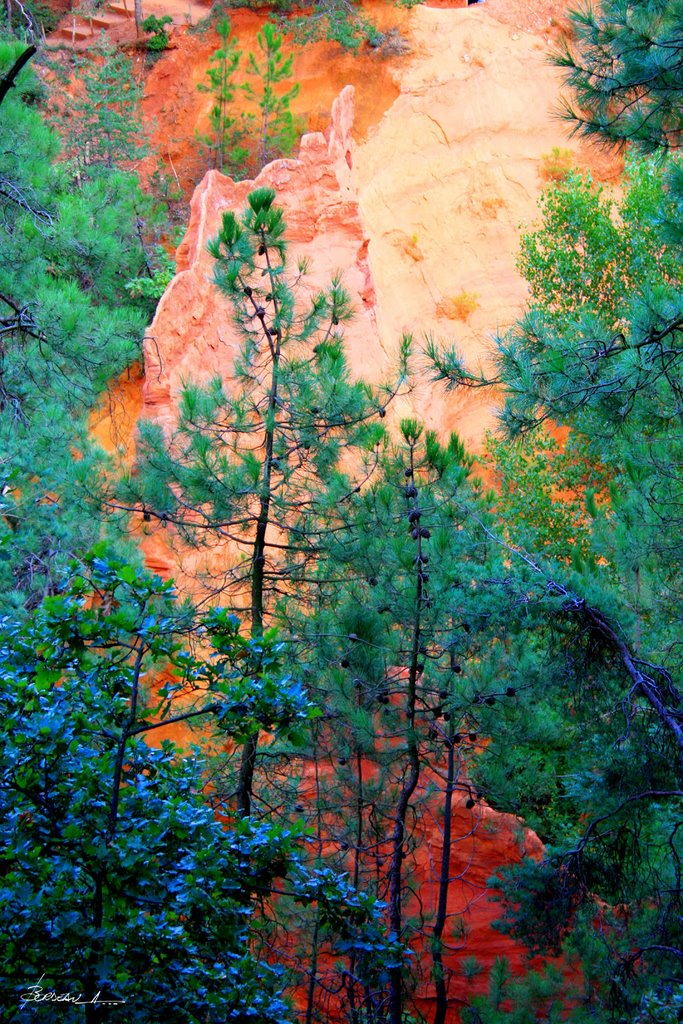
column 452, row 172
column 482, row 841
column 191, row 335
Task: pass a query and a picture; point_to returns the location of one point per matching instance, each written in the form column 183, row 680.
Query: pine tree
column 257, row 466
column 225, row 145
column 68, row 326
column 403, row 651
column 277, row 127
column 623, row 66
column 101, row 125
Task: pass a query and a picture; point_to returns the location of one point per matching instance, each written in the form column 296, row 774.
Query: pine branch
column 7, row 81
column 647, row 685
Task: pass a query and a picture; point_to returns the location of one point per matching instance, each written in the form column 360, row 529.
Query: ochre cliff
column 452, row 172
column 191, row 335
column 422, row 214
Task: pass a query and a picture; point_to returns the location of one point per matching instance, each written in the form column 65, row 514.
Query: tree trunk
column 246, row 776
column 444, row 879
column 407, row 790
column 7, row 81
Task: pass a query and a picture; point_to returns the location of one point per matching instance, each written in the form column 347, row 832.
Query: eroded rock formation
column 452, row 172
column 191, row 335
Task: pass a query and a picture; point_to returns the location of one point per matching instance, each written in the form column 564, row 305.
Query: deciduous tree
column 127, row 882
column 120, row 883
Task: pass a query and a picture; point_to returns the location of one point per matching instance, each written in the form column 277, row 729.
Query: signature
column 37, row 994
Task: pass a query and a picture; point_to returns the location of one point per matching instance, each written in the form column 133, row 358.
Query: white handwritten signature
column 37, row 994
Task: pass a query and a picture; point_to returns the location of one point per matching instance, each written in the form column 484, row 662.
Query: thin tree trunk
column 444, row 881
column 360, row 801
column 245, row 782
column 7, row 81
column 313, row 969
column 407, row 790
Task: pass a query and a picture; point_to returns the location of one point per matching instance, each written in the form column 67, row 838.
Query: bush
column 460, row 306
column 556, row 165
column 157, row 26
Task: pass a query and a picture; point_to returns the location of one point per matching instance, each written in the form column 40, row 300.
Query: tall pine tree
column 255, row 467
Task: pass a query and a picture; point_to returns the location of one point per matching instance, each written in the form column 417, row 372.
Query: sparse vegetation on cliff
column 230, row 146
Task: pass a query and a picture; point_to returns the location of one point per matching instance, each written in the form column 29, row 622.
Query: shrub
column 460, row 306
column 158, row 40
column 556, row 165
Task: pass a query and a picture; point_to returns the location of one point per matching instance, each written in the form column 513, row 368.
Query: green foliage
column 470, row 967
column 594, row 759
column 118, row 878
column 274, row 125
column 423, row 614
column 599, row 350
column 623, row 66
column 263, row 464
column 33, row 19
column 535, row 996
column 157, row 280
column 546, row 491
column 591, row 754
column 277, row 129
column 158, row 39
column 295, row 434
column 546, row 897
column 292, row 391
column 403, row 648
column 68, row 327
column 557, row 164
column 101, row 124
column 662, row 1008
column 337, row 21
column 225, row 145
column 589, row 255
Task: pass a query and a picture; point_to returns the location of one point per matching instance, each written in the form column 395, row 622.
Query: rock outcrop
column 191, row 336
